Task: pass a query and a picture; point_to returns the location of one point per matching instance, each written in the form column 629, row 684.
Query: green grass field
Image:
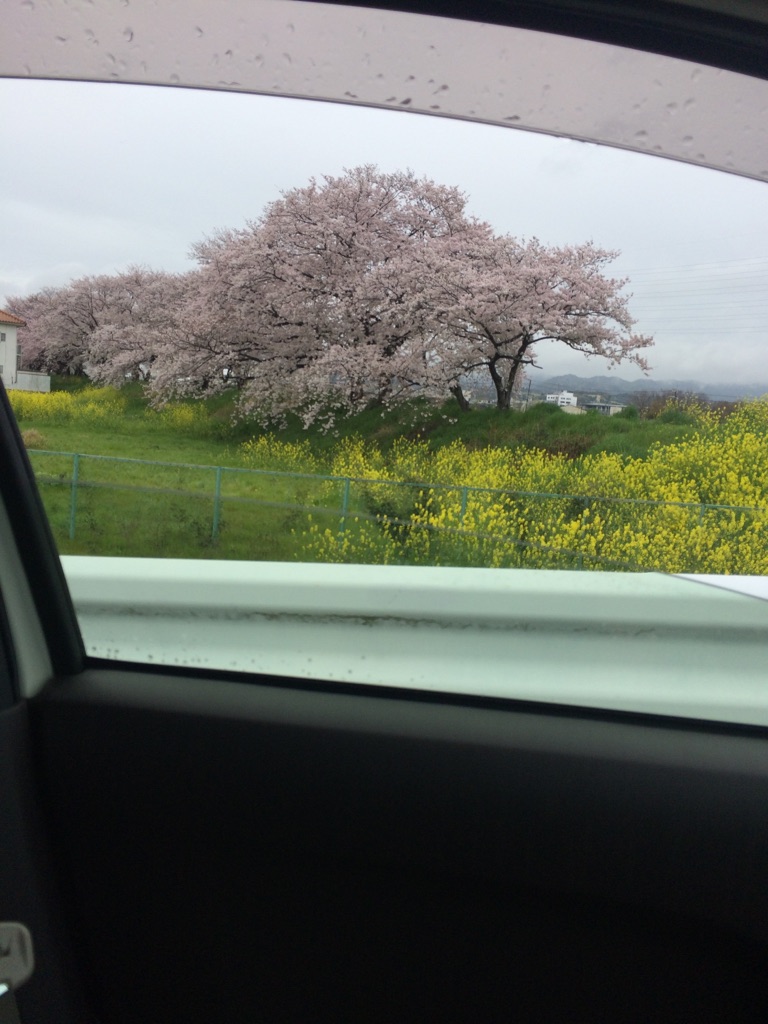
column 138, row 509
column 214, row 439
column 155, row 509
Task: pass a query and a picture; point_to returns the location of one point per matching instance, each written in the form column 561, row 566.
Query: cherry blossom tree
column 110, row 326
column 373, row 287
column 366, row 288
column 59, row 323
column 497, row 298
column 319, row 304
column 141, row 320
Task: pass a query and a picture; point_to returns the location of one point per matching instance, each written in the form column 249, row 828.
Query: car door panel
column 28, row 886
column 269, row 851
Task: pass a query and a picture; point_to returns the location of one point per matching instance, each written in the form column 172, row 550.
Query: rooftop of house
column 12, row 319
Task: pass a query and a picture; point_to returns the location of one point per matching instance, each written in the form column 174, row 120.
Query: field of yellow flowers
column 90, row 405
column 700, row 505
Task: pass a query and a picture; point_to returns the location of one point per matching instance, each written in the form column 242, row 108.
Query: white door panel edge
column 630, row 642
column 753, row 586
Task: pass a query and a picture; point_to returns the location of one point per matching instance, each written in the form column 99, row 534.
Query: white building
column 10, row 358
column 564, row 398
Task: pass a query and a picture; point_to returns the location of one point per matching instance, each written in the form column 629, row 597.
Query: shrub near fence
column 698, row 505
column 507, row 529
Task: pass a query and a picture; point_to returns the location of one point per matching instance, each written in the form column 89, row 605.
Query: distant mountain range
column 617, row 387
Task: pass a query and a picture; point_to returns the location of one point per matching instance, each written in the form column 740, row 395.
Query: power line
column 698, row 312
column 694, row 243
column 689, row 266
column 698, row 285
column 756, row 303
column 684, row 331
column 717, row 279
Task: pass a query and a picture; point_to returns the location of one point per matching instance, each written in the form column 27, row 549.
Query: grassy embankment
column 148, row 518
column 213, row 435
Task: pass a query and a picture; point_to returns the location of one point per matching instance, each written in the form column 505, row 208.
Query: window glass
column 237, row 370
column 354, row 377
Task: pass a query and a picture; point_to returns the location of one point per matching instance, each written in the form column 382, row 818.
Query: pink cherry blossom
column 366, row 288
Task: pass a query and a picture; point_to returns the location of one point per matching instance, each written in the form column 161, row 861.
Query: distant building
column 605, row 408
column 563, row 399
column 11, row 373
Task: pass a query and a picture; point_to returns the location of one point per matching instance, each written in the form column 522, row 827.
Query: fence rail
column 336, row 499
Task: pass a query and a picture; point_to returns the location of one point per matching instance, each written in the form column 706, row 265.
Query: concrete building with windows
column 563, row 398
column 11, row 373
column 605, row 408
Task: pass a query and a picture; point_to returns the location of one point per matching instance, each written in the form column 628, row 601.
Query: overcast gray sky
column 98, row 177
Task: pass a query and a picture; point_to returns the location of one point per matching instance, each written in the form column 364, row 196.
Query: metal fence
column 67, row 479
column 77, row 472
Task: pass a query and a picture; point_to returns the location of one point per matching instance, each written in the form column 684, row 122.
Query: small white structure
column 11, row 373
column 563, row 399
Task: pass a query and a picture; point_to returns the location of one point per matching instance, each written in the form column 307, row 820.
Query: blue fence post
column 73, row 496
column 216, row 505
column 344, row 505
column 463, row 511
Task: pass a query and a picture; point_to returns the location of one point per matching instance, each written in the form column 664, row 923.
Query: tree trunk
column 501, row 395
column 506, row 388
column 460, row 397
